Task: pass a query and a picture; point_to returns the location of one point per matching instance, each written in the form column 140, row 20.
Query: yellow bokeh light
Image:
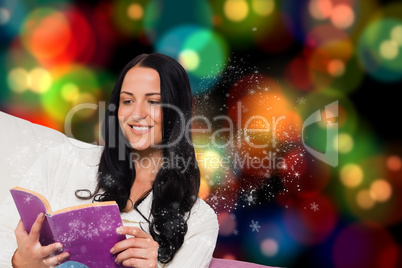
column 389, row 49
column 209, row 161
column 18, row 80
column 364, row 200
column 380, row 190
column 40, row 80
column 84, row 98
column 263, row 7
column 345, row 143
column 236, row 10
column 135, row 11
column 351, row 175
column 336, row 67
column 70, row 92
column 342, row 16
column 320, row 9
column 189, row 59
column 396, row 34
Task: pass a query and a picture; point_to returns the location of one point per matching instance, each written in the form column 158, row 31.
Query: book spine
column 50, row 226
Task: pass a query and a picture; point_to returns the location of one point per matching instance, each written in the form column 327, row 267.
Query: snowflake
column 28, row 199
column 297, row 174
column 75, row 225
column 301, row 100
column 314, row 206
column 107, row 217
column 90, row 234
column 214, row 199
column 109, row 181
column 254, row 226
column 266, row 89
column 249, row 198
column 235, row 232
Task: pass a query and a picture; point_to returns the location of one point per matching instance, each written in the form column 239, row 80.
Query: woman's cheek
column 158, row 115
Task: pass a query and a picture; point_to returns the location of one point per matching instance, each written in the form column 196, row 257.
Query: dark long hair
column 175, row 188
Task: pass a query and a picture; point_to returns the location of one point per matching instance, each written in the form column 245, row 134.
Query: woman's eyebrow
column 150, row 94
column 147, row 94
column 128, row 93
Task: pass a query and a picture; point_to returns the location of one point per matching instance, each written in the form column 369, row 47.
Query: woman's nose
column 139, row 112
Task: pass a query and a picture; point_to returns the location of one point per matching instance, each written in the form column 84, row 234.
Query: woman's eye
column 154, row 102
column 127, row 101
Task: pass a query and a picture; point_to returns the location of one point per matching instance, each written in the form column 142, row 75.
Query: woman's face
column 140, row 112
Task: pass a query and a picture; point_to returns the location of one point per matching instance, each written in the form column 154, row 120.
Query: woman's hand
column 30, row 252
column 138, row 251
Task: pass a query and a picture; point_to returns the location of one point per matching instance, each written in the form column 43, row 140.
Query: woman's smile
column 140, row 130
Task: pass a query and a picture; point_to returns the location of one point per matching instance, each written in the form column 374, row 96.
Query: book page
column 108, row 203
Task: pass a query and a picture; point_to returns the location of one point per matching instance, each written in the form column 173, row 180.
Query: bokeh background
column 244, row 58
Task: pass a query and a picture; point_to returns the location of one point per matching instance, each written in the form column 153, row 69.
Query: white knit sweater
column 70, row 166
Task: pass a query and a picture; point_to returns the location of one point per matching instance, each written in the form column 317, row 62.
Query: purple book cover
column 87, row 232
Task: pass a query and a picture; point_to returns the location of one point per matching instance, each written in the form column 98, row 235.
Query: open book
column 87, row 232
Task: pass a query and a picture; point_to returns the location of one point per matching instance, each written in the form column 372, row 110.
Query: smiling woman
column 165, row 222
column 140, row 113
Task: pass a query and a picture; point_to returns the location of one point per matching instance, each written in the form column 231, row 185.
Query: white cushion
column 21, row 143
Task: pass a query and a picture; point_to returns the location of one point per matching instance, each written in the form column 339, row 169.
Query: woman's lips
column 140, row 130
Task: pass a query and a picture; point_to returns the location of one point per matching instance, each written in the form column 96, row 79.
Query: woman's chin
column 143, row 147
column 139, row 147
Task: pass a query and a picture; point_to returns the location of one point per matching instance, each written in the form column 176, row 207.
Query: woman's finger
column 134, row 231
column 50, row 249
column 138, row 263
column 35, row 229
column 138, row 253
column 20, row 231
column 55, row 260
column 131, row 242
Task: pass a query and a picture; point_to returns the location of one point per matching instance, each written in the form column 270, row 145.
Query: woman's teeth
column 139, row 128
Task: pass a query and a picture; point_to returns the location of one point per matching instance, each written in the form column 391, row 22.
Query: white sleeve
column 36, row 179
column 200, row 240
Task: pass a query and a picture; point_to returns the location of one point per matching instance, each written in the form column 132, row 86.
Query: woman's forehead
column 140, row 80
